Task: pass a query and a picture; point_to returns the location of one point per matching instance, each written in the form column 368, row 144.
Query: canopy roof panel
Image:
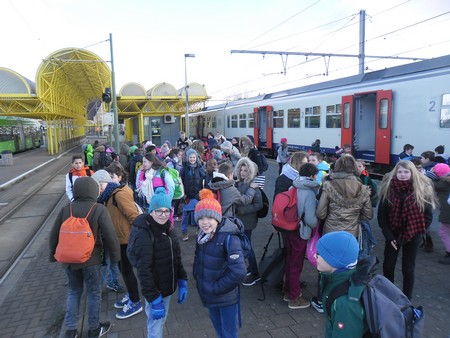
column 14, row 83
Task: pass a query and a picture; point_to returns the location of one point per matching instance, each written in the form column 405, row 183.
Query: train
column 19, row 134
column 376, row 113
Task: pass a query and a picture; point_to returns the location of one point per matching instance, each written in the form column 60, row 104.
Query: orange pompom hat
column 208, row 206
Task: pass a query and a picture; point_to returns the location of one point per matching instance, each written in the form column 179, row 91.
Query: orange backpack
column 76, row 240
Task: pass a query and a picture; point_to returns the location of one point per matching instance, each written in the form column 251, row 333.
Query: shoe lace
column 126, row 308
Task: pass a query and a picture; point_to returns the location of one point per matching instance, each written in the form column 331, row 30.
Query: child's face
column 161, row 215
column 192, row 159
column 78, row 164
column 207, row 224
column 323, row 266
column 314, row 160
column 360, row 167
column 180, row 155
column 211, row 166
column 403, row 174
column 146, row 164
column 116, row 178
column 244, row 171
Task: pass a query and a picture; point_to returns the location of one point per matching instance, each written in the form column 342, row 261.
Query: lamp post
column 186, row 92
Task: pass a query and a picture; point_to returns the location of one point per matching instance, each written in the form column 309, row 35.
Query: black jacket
column 158, row 255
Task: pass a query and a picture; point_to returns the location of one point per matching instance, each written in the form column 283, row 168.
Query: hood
column 346, row 189
column 218, row 183
column 100, row 149
column 124, row 149
column 305, row 183
column 89, row 148
column 289, row 171
column 252, row 169
column 323, row 166
column 86, row 188
column 228, row 226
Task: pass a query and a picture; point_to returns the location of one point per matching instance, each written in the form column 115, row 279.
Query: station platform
column 32, row 300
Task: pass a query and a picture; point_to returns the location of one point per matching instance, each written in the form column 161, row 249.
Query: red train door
column 383, row 127
column 263, row 128
column 347, row 120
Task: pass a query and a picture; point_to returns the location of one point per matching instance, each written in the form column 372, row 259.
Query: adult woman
column 345, row 201
column 405, row 211
column 152, row 176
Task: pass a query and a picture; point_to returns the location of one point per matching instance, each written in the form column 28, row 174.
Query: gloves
column 182, row 290
column 158, row 308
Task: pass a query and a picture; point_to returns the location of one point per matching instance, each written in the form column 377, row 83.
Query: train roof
column 411, row 68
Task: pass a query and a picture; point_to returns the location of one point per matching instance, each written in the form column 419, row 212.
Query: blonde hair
column 422, row 185
column 296, row 160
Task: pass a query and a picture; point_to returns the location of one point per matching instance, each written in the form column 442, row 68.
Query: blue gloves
column 158, row 308
column 182, row 290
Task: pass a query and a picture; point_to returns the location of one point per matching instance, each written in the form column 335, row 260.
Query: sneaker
column 317, row 305
column 121, row 303
column 251, row 280
column 177, row 219
column 71, row 334
column 116, row 287
column 299, row 303
column 248, row 273
column 184, row 236
column 285, row 297
column 102, row 329
column 130, row 309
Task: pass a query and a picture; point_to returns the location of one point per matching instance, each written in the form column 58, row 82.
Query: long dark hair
column 156, row 162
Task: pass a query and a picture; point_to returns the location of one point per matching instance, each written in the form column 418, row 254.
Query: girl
column 246, row 171
column 405, row 211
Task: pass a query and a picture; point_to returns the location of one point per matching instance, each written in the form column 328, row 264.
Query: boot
column 428, row 243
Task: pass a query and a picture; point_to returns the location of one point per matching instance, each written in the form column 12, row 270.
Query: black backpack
column 261, row 213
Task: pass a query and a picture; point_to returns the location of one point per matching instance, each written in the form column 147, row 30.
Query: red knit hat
column 208, row 206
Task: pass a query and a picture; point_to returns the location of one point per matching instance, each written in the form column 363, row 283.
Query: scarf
column 405, row 218
column 106, row 194
column 145, row 188
column 203, row 238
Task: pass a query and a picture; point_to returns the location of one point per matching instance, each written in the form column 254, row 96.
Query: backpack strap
column 339, row 290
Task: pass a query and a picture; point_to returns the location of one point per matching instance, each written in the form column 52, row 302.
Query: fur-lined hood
column 252, row 169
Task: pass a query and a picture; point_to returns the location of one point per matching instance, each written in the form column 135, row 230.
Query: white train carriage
column 376, row 113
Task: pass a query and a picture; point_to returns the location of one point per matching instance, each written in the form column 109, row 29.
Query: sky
column 150, row 38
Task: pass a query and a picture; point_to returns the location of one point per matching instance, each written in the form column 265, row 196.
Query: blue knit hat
column 160, row 200
column 339, row 249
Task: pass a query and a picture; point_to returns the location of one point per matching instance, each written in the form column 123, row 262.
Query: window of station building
column 294, row 118
column 278, row 119
column 312, row 117
column 383, row 123
column 234, row 121
column 445, row 111
column 251, row 120
column 333, row 116
column 242, row 120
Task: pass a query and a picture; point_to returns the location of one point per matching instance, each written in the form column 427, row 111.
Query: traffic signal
column 106, row 96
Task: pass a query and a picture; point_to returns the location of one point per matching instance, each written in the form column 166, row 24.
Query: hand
column 254, row 185
column 158, row 308
column 394, row 244
column 182, row 291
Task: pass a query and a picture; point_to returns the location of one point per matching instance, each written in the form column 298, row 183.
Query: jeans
column 408, row 263
column 187, row 218
column 128, row 274
column 155, row 328
column 225, row 320
column 110, row 272
column 91, row 277
column 251, row 255
column 296, row 249
column 444, row 234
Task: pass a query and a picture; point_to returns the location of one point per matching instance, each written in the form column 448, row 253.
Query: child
column 337, row 254
column 158, row 262
column 78, row 169
column 211, row 167
column 219, row 265
column 229, row 194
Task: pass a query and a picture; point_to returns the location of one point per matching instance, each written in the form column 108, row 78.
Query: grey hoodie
column 306, row 199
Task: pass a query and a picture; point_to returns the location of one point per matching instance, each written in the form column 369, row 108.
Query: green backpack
column 179, row 188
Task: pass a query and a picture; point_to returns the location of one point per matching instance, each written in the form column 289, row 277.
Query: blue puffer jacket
column 220, row 268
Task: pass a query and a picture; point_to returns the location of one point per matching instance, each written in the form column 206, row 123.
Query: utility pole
column 362, row 39
column 114, row 98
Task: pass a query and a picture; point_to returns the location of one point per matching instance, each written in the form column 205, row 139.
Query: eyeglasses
column 160, row 212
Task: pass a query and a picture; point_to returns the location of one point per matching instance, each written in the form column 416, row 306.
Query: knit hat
column 191, row 152
column 283, row 140
column 217, row 154
column 226, row 146
column 133, row 149
column 208, row 206
column 84, row 146
column 339, row 249
column 102, row 176
column 160, row 200
column 441, row 169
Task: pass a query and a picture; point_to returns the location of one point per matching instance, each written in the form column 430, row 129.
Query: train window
column 278, row 119
column 213, row 122
column 234, row 122
column 228, row 122
column 294, row 118
column 445, row 111
column 346, row 115
column 251, row 120
column 383, row 123
column 333, row 116
column 312, row 117
column 242, row 120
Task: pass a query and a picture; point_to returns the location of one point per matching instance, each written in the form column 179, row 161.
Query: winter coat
column 158, row 258
column 193, row 179
column 89, row 155
column 282, row 154
column 230, row 197
column 306, row 199
column 442, row 188
column 85, row 192
column 346, row 319
column 123, row 212
column 75, row 174
column 219, row 267
column 124, row 156
column 135, row 159
column 344, row 202
column 284, row 181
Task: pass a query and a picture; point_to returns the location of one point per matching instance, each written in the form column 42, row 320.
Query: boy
column 219, row 265
column 406, row 154
column 337, row 255
column 78, row 169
